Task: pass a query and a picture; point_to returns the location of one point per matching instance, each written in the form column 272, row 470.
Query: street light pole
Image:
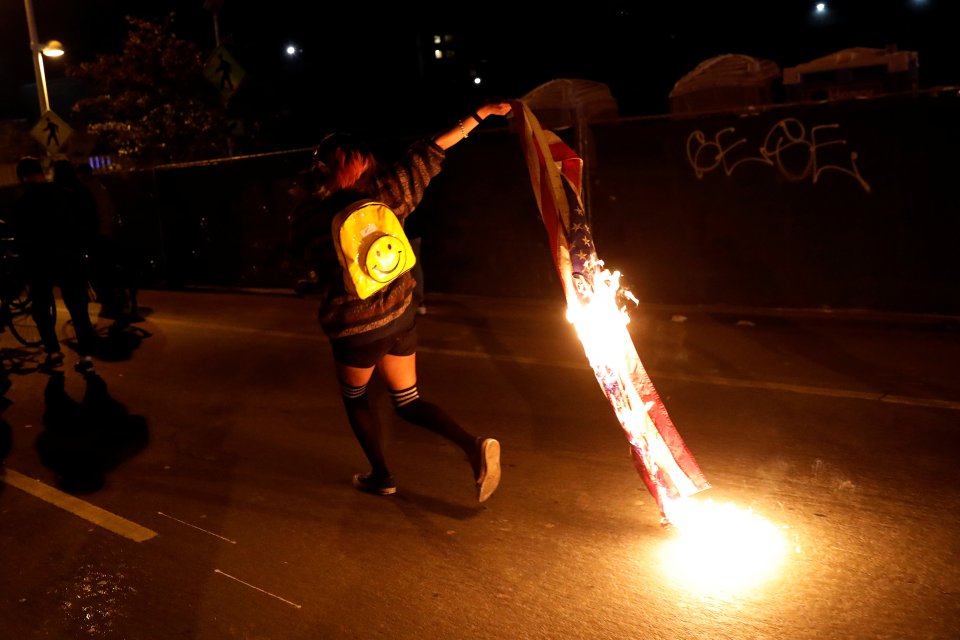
column 214, row 6
column 37, row 60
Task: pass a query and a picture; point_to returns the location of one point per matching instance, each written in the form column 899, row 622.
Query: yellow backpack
column 371, row 246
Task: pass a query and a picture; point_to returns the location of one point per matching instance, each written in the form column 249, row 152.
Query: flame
column 720, row 549
column 597, row 317
column 601, row 325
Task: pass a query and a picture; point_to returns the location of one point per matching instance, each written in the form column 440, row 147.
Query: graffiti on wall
column 797, row 154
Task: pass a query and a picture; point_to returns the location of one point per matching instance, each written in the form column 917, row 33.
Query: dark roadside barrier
column 842, row 205
column 829, row 205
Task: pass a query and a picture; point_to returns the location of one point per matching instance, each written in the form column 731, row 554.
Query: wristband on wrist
column 476, row 116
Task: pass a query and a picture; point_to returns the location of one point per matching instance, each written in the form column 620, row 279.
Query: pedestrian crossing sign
column 224, row 72
column 51, row 131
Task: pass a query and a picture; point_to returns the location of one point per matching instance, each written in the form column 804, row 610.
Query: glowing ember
column 720, row 549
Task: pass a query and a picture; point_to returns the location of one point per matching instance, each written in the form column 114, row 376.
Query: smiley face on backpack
column 385, row 258
column 371, row 247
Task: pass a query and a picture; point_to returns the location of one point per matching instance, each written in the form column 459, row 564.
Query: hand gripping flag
column 659, row 454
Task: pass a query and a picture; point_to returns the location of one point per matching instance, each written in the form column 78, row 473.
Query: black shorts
column 363, row 356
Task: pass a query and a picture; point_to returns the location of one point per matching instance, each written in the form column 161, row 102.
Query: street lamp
column 51, row 49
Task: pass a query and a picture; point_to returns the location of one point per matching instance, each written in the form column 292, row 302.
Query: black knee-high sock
column 365, row 427
column 409, row 406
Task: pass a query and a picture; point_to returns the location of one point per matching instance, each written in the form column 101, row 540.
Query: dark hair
column 28, row 166
column 347, row 142
column 63, row 172
column 342, row 160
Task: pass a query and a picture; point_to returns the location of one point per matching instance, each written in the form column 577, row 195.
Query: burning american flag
column 593, row 293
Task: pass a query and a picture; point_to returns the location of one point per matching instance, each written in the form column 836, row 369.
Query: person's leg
column 363, row 422
column 41, row 301
column 73, row 288
column 400, row 374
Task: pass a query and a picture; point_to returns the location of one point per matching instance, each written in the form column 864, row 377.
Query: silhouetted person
column 108, row 222
column 52, row 234
column 111, row 273
column 82, row 201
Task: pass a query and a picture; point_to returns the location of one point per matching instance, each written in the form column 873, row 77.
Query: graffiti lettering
column 788, row 147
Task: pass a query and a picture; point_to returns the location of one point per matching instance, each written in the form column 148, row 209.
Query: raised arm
column 402, row 184
column 463, row 128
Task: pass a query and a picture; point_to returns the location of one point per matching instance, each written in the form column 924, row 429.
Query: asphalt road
column 199, row 485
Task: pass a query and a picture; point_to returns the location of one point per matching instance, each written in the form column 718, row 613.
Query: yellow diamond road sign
column 224, row 72
column 51, row 131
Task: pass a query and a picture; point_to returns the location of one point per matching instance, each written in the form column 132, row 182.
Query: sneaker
column 85, row 365
column 488, row 476
column 377, row 486
column 53, row 360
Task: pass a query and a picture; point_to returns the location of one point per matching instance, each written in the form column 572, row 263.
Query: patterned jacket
column 400, row 186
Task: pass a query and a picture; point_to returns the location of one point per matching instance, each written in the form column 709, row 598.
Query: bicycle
column 16, row 307
column 109, row 284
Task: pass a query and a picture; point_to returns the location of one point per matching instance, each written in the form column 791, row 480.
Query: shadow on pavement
column 6, row 434
column 18, row 361
column 82, row 441
column 413, row 504
column 120, row 342
column 117, row 342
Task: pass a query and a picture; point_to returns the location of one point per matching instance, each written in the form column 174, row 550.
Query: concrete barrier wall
column 849, row 204
column 843, row 205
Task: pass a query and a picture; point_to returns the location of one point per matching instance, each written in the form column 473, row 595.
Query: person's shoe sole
column 489, row 469
column 362, row 483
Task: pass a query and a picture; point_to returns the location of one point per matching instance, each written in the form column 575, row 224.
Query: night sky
column 639, row 49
